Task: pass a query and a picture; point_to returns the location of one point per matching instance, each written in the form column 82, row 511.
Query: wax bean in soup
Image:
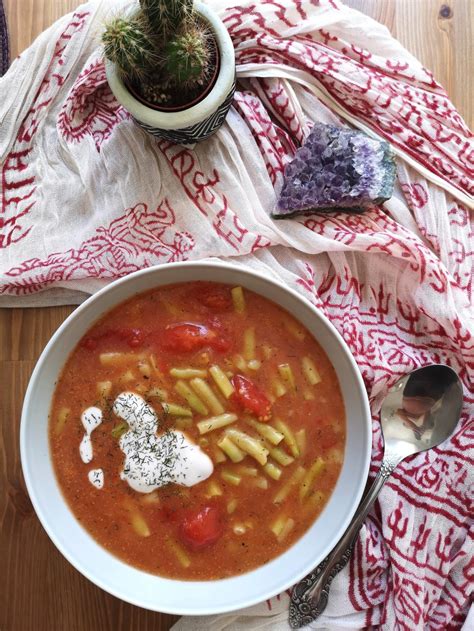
column 197, row 431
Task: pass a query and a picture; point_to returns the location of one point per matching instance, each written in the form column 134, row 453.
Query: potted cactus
column 171, row 64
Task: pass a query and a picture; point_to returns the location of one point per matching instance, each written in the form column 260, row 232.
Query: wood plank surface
column 39, row 589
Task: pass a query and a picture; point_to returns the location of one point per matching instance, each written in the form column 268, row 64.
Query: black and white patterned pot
column 199, row 121
column 199, row 131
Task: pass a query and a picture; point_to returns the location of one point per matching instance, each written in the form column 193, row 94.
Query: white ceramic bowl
column 141, row 588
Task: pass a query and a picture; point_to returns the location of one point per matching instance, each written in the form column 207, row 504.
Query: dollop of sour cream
column 96, row 478
column 91, row 418
column 153, row 461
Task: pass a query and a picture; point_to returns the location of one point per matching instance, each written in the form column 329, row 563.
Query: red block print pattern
column 90, row 108
column 398, row 287
column 274, row 143
column 209, row 201
column 138, row 239
column 17, row 196
column 17, row 171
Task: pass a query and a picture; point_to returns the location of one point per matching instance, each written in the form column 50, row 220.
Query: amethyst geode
column 336, row 168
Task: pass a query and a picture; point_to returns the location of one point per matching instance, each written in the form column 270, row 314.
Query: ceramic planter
column 200, row 120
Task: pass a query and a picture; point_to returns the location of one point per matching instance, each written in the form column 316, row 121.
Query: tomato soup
column 197, row 431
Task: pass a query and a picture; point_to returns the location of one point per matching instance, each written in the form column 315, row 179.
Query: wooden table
column 39, row 589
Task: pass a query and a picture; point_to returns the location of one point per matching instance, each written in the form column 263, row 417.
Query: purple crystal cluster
column 336, row 169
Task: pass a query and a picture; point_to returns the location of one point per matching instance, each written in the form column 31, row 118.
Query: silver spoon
column 419, row 412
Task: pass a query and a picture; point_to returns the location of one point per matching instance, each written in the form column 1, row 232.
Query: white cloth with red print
column 87, row 196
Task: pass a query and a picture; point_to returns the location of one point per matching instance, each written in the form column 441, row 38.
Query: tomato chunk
column 249, row 397
column 214, row 298
column 327, row 438
column 89, row 343
column 186, row 337
column 202, row 528
column 132, row 337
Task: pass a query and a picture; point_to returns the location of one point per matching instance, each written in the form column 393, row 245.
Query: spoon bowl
column 420, row 411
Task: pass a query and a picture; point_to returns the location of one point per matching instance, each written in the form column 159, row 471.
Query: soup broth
column 197, row 431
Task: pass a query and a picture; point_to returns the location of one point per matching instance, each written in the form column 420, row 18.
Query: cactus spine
column 187, row 58
column 165, row 17
column 128, row 45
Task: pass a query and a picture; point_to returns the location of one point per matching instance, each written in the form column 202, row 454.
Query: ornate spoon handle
column 310, row 596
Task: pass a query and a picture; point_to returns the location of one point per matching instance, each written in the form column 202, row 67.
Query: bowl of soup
column 195, row 438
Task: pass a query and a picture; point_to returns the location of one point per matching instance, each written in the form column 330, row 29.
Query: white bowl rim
column 47, row 521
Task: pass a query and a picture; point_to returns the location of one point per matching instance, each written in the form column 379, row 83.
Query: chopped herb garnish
column 119, row 430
